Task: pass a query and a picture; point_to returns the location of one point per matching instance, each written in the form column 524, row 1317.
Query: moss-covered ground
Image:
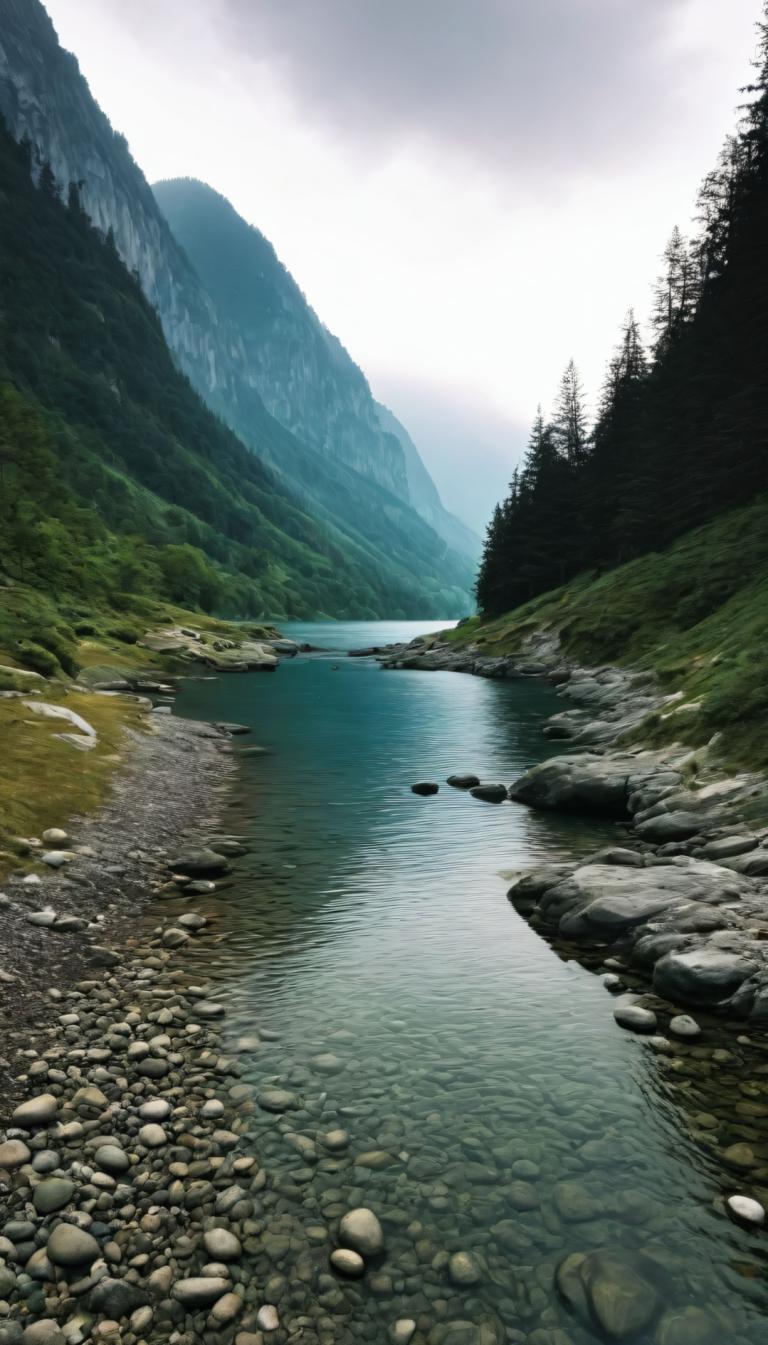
column 695, row 614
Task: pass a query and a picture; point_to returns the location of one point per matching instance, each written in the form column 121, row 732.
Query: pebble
column 745, row 1210
column 634, row 1018
column 267, row 1318
column 200, row 1291
column 464, row 1269
column 347, row 1262
column 13, row 1153
column 153, row 1136
column 682, row 1025
column 71, row 1246
column 38, row 1111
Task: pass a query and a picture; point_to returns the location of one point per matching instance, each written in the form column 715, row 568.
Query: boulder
column 618, row 1292
column 200, row 860
column 701, row 976
column 634, row 1018
column 425, row 787
column 490, row 793
column 463, row 781
column 583, row 783
column 47, row 711
column 37, row 1111
column 671, row 827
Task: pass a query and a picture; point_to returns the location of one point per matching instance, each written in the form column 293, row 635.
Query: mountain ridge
column 46, row 100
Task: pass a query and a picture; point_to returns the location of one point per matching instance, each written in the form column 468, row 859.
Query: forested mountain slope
column 45, row 99
column 115, row 476
column 682, row 429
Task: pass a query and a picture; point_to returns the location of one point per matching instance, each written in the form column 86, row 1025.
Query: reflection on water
column 491, row 1104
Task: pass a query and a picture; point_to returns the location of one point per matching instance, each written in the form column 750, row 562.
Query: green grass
column 696, row 615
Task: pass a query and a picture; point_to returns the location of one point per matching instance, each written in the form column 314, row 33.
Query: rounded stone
column 200, row 1291
column 682, row 1025
column 157, row 1109
column 348, row 1263
column 267, row 1318
column 634, row 1018
column 618, row 1292
column 462, row 782
column 464, row 1269
column 361, row 1230
column 745, row 1210
column 327, row 1063
column 111, row 1158
column 226, row 1309
column 71, row 1246
column 212, row 1110
column 688, row 1326
column 13, row 1153
column 277, row 1099
column 55, row 836
column 222, row 1245
column 153, row 1136
column 425, row 787
column 402, row 1331
column 44, row 1332
column 37, row 1111
column 336, row 1139
column 53, row 1194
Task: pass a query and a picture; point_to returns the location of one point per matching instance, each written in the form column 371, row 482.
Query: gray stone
column 464, row 1269
column 701, row 976
column 53, row 1194
column 43, row 1332
column 490, row 793
column 277, row 1100
column 13, row 1153
column 38, row 1111
column 745, row 1210
column 463, row 781
column 634, row 1018
column 222, row 1245
column 71, row 1246
column 111, row 1158
column 618, row 1292
column 361, row 1230
column 117, row 1298
column 425, row 787
column 200, row 1291
column 348, row 1263
column 684, row 1026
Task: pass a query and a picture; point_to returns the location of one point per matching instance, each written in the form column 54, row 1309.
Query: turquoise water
column 497, row 1107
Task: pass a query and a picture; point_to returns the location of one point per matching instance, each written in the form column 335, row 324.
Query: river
column 497, row 1107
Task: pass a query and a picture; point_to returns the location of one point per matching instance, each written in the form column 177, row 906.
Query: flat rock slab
column 584, row 783
column 701, row 976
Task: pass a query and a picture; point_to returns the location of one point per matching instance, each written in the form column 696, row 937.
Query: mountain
column 424, row 494
column 306, row 378
column 116, row 480
column 46, row 101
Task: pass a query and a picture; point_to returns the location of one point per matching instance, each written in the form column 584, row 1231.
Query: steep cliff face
column 303, row 373
column 348, row 475
column 424, row 494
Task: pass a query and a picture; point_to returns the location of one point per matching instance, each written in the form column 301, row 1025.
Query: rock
column 701, row 976
column 200, row 1291
column 684, row 1026
column 71, row 1246
column 424, row 787
column 153, row 1136
column 53, row 1194
column 277, row 1100
column 348, row 1263
column 60, row 712
column 618, row 1292
column 634, row 1018
column 56, row 837
column 678, row 826
column 56, row 858
column 490, row 793
column 746, row 1211
column 226, row 1309
column 13, row 1153
column 38, row 1111
column 209, row 1008
column 111, row 1158
column 44, row 919
column 327, row 1063
column 336, row 1139
column 740, row 1156
column 234, row 729
column 727, row 846
column 464, row 1269
column 43, row 1332
column 402, row 1331
column 157, row 1109
column 463, row 782
column 117, row 1298
column 199, row 861
column 222, row 1245
column 688, row 1326
column 582, row 783
column 361, row 1230
column 267, row 1318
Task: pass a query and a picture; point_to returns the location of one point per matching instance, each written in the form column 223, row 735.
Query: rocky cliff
column 347, row 472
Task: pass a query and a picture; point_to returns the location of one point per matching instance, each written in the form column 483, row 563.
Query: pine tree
column 570, row 422
column 676, row 293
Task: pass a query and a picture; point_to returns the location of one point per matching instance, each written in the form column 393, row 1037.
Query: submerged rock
column 618, row 1292
column 361, row 1230
column 463, row 781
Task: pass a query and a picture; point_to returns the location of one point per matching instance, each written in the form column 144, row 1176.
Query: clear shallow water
column 512, row 1118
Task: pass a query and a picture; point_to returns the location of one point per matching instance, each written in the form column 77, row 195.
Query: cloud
column 540, row 84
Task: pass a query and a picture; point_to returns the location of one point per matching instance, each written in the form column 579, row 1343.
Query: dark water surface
column 511, row 1117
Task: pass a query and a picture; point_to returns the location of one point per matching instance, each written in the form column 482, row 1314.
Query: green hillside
column 116, row 479
column 695, row 614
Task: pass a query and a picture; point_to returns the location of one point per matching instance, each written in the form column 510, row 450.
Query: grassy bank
column 696, row 615
column 50, row 651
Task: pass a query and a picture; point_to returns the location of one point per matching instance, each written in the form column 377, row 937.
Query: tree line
column 681, row 429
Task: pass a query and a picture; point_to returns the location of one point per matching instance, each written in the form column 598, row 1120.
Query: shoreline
column 681, row 904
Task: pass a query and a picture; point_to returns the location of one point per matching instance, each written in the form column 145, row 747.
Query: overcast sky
column 468, row 191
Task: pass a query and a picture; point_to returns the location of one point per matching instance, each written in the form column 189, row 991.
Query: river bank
column 683, row 902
